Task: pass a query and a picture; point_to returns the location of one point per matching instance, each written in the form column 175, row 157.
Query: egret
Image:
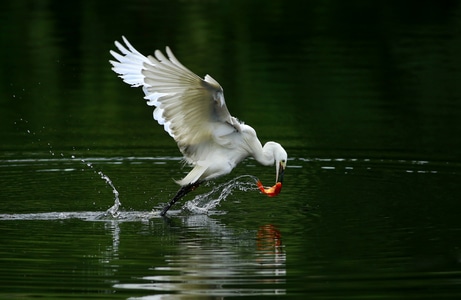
column 193, row 112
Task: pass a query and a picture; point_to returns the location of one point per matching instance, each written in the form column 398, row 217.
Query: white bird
column 193, row 111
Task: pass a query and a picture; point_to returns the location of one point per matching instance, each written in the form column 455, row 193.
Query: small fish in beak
column 277, row 187
column 270, row 191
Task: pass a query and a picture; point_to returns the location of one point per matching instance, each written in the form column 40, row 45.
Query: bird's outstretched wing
column 191, row 109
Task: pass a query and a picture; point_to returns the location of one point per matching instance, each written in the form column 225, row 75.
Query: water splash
column 204, row 203
column 114, row 209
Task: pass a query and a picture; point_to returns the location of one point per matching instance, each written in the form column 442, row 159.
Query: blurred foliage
column 316, row 75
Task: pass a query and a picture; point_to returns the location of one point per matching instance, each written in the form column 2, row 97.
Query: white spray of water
column 114, row 209
column 204, row 203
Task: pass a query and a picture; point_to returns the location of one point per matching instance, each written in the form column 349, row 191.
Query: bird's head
column 276, row 154
column 279, row 156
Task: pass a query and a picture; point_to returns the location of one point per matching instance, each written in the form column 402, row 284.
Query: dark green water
column 365, row 98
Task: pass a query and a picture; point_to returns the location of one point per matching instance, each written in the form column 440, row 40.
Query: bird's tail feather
column 194, row 175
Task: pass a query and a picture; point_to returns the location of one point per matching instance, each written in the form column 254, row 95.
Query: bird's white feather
column 186, row 105
column 192, row 110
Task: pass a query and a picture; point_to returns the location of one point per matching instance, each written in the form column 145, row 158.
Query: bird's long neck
column 266, row 155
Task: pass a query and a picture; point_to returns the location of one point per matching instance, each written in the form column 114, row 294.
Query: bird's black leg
column 181, row 193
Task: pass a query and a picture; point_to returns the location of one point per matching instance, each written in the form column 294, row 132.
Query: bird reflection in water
column 269, row 239
column 271, row 253
column 214, row 260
